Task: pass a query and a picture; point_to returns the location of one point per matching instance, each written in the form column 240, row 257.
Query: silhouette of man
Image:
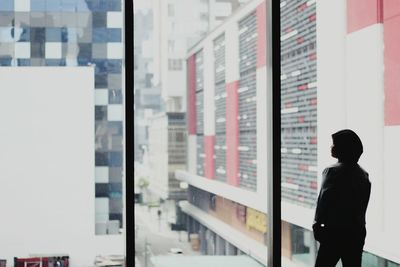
column 339, row 223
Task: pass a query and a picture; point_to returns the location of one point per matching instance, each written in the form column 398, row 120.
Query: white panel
column 192, row 153
column 330, row 94
column 22, row 5
column 115, row 50
column 101, row 97
column 262, row 135
column 53, row 50
column 47, row 170
column 239, row 195
column 297, row 215
column 391, row 185
column 209, row 89
column 231, row 53
column 364, row 76
column 115, row 112
column 22, row 50
column 114, row 20
column 102, row 205
column 102, row 174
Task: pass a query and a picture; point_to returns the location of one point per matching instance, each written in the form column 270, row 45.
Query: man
column 339, row 223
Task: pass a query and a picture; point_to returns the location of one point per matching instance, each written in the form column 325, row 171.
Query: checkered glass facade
column 77, row 33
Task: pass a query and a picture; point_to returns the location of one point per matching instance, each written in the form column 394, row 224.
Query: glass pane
column 62, row 36
column 200, row 94
column 337, row 76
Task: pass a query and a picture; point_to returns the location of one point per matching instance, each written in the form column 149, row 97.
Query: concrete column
column 220, row 246
column 230, row 249
column 203, row 240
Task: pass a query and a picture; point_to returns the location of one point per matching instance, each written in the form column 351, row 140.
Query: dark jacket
column 343, row 199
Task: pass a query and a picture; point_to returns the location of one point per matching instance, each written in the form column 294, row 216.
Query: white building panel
column 47, row 198
column 209, row 89
column 231, row 53
column 365, row 108
column 331, row 51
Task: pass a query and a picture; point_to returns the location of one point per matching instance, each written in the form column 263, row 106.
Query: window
column 171, row 10
column 175, row 64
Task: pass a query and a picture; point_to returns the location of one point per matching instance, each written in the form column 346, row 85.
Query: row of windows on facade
column 61, row 5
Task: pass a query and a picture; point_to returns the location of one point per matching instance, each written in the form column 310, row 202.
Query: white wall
column 47, row 195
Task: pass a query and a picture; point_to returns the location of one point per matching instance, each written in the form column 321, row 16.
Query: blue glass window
column 53, row 35
column 102, row 190
column 101, row 66
column 115, row 96
column 83, row 61
column 38, row 5
column 101, row 158
column 116, row 187
column 82, row 5
column 5, row 61
column 55, row 62
column 99, row 20
column 37, row 50
column 115, row 159
column 101, row 80
column 114, row 35
column 100, row 113
column 85, row 52
column 23, row 62
column 93, row 5
column 103, row 6
column 115, row 127
column 38, row 35
column 69, row 5
column 114, row 66
column 113, row 5
column 54, row 5
column 7, row 5
column 100, row 35
column 22, row 34
column 116, row 216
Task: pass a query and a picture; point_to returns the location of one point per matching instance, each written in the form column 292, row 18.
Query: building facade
column 226, row 151
column 70, row 33
column 226, row 92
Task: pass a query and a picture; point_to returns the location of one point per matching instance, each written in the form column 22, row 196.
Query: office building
column 78, row 33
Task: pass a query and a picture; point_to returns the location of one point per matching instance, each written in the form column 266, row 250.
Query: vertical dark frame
column 274, row 176
column 129, row 133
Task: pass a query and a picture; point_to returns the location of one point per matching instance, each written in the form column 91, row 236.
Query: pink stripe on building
column 191, row 95
column 392, row 71
column 209, row 162
column 261, row 35
column 363, row 13
column 232, row 133
column 391, row 8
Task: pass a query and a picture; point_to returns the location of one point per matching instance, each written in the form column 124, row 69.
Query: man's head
column 347, row 146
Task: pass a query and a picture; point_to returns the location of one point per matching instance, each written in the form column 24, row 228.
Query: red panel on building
column 209, row 162
column 392, row 71
column 363, row 13
column 391, row 8
column 191, row 95
column 261, row 35
column 232, row 133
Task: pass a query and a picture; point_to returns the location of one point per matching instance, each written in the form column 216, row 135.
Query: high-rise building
column 78, row 33
column 226, row 173
column 333, row 76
